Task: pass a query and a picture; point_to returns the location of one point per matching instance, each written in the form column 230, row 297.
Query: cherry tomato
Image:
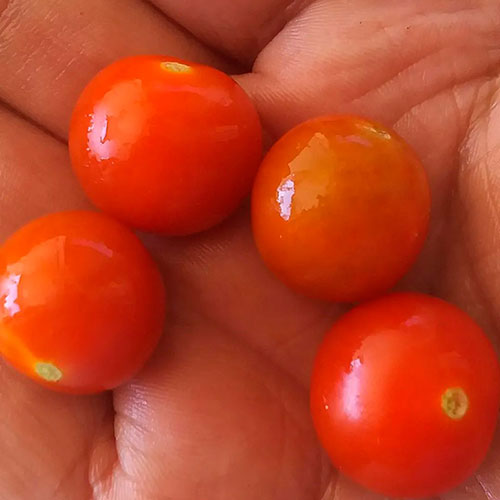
column 165, row 145
column 405, row 395
column 340, row 208
column 82, row 303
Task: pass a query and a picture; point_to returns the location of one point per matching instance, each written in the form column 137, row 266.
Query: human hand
column 221, row 411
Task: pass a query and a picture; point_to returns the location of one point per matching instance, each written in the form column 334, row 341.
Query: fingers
column 46, row 439
column 377, row 59
column 239, row 29
column 50, row 49
column 477, row 202
column 35, row 177
column 208, row 416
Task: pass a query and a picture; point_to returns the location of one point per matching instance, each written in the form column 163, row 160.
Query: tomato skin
column 377, row 388
column 340, row 208
column 165, row 145
column 78, row 292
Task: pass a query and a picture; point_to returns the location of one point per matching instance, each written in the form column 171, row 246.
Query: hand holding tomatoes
column 368, row 232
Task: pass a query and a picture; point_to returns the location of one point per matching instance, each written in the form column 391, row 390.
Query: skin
column 221, row 411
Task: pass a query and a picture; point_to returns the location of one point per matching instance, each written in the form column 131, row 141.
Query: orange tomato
column 165, row 145
column 82, row 304
column 405, row 395
column 340, row 208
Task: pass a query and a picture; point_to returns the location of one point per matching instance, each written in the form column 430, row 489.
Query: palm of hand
column 221, row 410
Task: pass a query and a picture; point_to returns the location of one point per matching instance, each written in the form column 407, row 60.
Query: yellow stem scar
column 48, row 371
column 176, row 67
column 455, row 403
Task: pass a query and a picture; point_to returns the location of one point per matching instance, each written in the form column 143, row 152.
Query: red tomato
column 405, row 395
column 340, row 208
column 165, row 145
column 82, row 303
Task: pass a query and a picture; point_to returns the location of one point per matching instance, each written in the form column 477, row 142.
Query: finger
column 377, row 59
column 478, row 192
column 50, row 49
column 239, row 29
column 46, row 439
column 208, row 416
column 35, row 177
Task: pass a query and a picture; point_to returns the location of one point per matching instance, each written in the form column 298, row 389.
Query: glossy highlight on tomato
column 82, row 303
column 165, row 145
column 340, row 208
column 405, row 395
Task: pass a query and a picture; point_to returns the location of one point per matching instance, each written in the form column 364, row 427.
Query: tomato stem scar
column 176, row 67
column 455, row 403
column 48, row 371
